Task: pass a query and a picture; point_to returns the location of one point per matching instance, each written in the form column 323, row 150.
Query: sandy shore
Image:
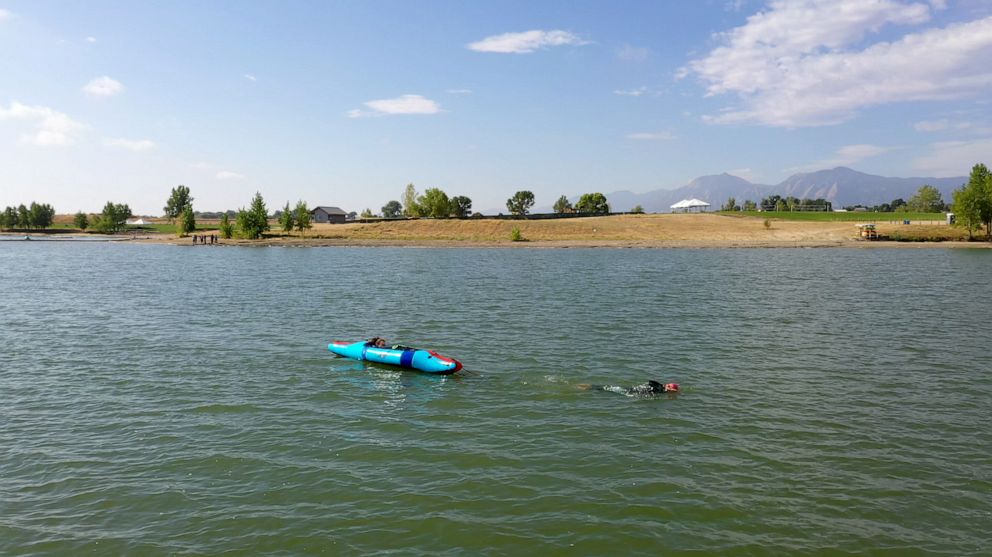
column 621, row 231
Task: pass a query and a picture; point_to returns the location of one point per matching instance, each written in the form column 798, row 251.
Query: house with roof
column 333, row 215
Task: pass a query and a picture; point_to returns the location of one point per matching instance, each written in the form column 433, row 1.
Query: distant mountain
column 715, row 189
column 843, row 186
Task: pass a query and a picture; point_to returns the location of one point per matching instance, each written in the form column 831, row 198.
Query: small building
column 333, row 215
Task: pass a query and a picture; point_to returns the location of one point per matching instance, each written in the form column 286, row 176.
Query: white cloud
column 940, row 125
column 228, row 175
column 954, row 158
column 799, row 63
column 528, row 41
column 404, row 104
column 845, row 156
column 5, row 15
column 103, row 87
column 250, row 77
column 746, row 173
column 630, row 53
column 652, row 136
column 130, row 144
column 459, row 91
column 631, row 92
column 91, row 40
column 52, row 128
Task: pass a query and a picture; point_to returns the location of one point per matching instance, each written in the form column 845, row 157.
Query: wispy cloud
column 525, row 42
column 103, row 87
column 404, row 104
column 652, row 136
column 631, row 92
column 5, row 15
column 954, row 158
column 130, row 144
column 845, row 156
column 630, row 53
column 746, row 173
column 250, row 77
column 943, row 124
column 228, row 175
column 459, row 91
column 803, row 63
column 91, row 40
column 52, row 128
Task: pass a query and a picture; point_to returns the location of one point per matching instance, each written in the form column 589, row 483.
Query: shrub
column 515, row 235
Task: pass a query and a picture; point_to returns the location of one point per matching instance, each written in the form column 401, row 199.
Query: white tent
column 690, row 204
column 137, row 222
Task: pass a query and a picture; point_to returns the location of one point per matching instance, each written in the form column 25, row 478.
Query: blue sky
column 344, row 103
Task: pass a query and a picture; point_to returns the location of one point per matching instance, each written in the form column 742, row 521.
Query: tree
column 780, row 205
column 592, row 203
column 461, row 206
column 113, row 218
column 177, row 202
column 979, row 195
column 926, row 200
column 286, row 219
column 392, row 209
column 637, row 210
column 41, row 215
column 967, row 208
column 434, row 203
column 985, row 206
column 770, row 203
column 410, row 201
column 303, row 221
column 80, row 220
column 730, row 205
column 23, row 216
column 520, row 203
column 563, row 205
column 226, row 228
column 368, row 214
column 750, row 205
column 896, row 203
column 254, row 221
column 187, row 221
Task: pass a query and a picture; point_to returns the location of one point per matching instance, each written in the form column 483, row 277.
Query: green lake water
column 172, row 400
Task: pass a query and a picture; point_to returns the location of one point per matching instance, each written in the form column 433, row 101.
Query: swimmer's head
column 671, row 387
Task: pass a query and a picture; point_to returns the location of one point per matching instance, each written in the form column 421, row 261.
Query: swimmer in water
column 651, row 388
column 378, row 342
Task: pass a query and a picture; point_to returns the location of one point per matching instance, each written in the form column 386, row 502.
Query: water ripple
column 193, row 409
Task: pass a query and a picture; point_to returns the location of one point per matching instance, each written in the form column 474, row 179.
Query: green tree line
column 972, row 202
column 435, row 203
column 36, row 215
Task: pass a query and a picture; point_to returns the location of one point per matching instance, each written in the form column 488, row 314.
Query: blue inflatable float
column 413, row 358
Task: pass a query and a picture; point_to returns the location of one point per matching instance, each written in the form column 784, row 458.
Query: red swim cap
column 671, row 386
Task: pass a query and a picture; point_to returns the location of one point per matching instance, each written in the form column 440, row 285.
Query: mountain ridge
column 841, row 185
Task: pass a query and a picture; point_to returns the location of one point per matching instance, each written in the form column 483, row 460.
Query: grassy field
column 829, row 216
column 716, row 229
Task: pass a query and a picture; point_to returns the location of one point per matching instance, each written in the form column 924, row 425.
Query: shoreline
column 656, row 231
column 420, row 243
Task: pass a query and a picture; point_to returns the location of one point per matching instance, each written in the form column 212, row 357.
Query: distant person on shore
column 651, row 388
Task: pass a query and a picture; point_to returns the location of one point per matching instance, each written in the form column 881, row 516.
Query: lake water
column 177, row 400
